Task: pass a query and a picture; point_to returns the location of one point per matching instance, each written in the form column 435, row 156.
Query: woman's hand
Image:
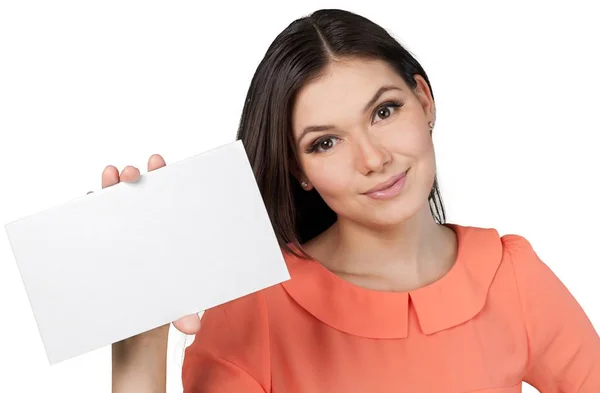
column 189, row 324
column 139, row 362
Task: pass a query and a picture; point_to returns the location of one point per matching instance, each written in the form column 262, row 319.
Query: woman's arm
column 564, row 347
column 231, row 352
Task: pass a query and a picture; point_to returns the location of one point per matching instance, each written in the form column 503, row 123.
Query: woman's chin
column 388, row 217
column 392, row 213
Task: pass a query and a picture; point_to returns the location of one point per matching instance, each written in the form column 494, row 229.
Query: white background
column 85, row 84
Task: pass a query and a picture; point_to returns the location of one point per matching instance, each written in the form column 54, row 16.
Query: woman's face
column 360, row 128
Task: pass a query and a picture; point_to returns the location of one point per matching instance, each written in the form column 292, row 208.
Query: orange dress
column 497, row 318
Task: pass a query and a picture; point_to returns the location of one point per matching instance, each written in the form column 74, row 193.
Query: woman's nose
column 372, row 155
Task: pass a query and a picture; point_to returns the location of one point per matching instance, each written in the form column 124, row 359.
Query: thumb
column 190, row 324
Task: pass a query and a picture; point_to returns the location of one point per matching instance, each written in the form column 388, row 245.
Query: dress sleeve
column 564, row 347
column 231, row 352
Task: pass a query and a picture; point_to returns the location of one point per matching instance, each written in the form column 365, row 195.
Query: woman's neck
column 412, row 254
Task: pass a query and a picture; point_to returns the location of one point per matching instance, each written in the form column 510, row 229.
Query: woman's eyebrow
column 369, row 104
column 378, row 94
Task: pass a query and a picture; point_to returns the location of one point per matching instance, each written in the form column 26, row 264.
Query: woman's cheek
column 331, row 179
column 332, row 186
column 410, row 141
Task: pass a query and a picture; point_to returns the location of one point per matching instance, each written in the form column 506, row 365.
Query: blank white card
column 134, row 256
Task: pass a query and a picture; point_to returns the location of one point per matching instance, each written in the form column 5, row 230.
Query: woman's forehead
column 343, row 87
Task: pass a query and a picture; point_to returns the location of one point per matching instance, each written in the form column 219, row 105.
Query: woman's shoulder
column 481, row 238
column 484, row 251
column 487, row 246
column 515, row 247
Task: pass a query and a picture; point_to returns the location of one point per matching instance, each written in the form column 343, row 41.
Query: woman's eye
column 385, row 111
column 323, row 144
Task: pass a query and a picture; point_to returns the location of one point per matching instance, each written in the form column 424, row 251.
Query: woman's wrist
column 139, row 362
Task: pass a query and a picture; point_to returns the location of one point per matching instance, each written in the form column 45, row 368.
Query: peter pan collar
column 452, row 300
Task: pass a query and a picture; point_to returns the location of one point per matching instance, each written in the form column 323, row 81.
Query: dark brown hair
column 296, row 57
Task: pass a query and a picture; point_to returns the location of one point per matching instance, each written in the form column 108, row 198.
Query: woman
column 384, row 296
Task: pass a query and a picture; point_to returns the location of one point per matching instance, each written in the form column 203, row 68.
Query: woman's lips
column 388, row 189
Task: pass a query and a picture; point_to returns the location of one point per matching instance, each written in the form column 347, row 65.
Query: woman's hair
column 297, row 56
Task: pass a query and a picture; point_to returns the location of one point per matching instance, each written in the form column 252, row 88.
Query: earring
column 430, row 125
column 304, row 184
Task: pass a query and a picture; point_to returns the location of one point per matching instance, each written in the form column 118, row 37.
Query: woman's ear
column 306, row 186
column 299, row 176
column 424, row 96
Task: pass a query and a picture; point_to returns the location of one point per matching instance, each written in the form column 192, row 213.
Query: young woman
column 384, row 296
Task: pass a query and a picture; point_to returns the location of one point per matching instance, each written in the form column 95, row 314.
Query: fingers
column 110, row 176
column 190, row 324
column 130, row 174
column 155, row 162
